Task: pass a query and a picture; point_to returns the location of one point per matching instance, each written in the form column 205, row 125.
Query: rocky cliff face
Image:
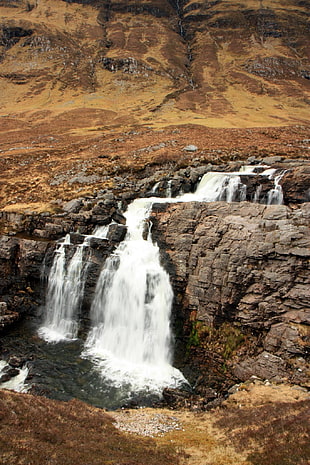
column 241, row 279
column 239, row 271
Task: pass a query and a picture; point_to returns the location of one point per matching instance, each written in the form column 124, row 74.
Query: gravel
column 145, row 424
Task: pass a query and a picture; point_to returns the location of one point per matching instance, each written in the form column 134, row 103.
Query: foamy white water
column 215, row 186
column 131, row 337
column 16, row 383
column 65, row 291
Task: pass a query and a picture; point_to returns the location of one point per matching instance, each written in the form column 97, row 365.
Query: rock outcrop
column 241, row 280
column 239, row 270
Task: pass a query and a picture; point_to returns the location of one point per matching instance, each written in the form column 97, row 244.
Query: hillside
column 86, row 79
column 63, row 433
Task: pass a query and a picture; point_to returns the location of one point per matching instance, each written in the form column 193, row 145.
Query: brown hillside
column 77, row 76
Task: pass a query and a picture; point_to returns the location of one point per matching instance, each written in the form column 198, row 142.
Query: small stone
column 3, row 308
column 190, row 148
column 73, row 206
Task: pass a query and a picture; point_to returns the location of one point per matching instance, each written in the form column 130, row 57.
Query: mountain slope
column 218, row 63
column 88, row 79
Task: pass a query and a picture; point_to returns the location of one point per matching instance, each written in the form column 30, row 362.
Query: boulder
column 117, row 232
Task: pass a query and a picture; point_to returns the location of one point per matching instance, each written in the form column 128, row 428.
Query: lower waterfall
column 63, row 296
column 131, row 338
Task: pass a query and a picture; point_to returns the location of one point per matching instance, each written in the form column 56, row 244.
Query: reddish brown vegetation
column 37, row 431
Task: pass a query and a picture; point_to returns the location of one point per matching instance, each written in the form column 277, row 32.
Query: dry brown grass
column 258, row 425
column 37, row 431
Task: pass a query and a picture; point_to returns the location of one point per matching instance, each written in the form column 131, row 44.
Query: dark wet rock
column 8, row 374
column 76, row 238
column 296, row 185
column 117, row 232
column 8, row 319
column 101, row 220
column 21, row 263
column 31, row 257
column 180, row 398
column 16, row 362
column 98, row 243
column 119, row 218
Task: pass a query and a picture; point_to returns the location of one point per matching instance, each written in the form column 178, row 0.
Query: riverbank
column 259, row 424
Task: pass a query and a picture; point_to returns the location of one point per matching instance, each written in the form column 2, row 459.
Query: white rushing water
column 16, row 383
column 131, row 337
column 215, row 186
column 65, row 291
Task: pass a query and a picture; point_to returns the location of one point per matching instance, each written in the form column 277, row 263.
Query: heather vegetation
column 37, row 431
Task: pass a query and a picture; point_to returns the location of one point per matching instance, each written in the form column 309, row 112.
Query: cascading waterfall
column 215, row 186
column 275, row 195
column 131, row 338
column 65, row 291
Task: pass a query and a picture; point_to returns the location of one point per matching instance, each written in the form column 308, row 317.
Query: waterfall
column 216, row 186
column 63, row 295
column 65, row 291
column 131, row 338
column 257, row 194
column 155, row 188
column 275, row 195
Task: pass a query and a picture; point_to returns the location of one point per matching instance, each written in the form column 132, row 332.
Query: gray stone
column 190, row 148
column 272, row 160
column 264, row 366
column 73, row 206
column 116, row 233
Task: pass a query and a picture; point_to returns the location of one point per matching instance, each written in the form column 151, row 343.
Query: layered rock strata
column 240, row 273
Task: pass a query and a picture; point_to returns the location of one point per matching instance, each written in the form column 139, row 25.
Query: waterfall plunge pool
column 58, row 371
